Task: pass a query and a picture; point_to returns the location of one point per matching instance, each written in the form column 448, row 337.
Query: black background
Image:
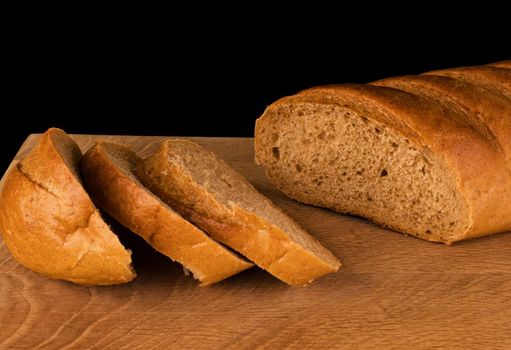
column 209, row 82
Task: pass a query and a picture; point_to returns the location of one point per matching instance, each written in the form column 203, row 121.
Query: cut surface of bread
column 50, row 224
column 211, row 194
column 420, row 163
column 107, row 173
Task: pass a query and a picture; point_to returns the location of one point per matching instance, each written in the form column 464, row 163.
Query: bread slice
column 214, row 196
column 410, row 162
column 107, row 172
column 49, row 223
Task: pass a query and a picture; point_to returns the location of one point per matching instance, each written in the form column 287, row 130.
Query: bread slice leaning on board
column 50, row 224
column 211, row 194
column 107, row 171
column 427, row 155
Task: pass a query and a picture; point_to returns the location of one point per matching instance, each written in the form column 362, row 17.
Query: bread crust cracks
column 19, row 166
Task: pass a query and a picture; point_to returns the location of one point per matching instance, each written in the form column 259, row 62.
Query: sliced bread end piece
column 49, row 223
column 107, row 172
column 211, row 194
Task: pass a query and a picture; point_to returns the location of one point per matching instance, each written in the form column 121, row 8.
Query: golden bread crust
column 50, row 225
column 476, row 148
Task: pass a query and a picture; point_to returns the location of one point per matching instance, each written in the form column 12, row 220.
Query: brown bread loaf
column 427, row 155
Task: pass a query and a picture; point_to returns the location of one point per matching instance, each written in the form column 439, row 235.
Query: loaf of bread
column 50, row 224
column 427, row 155
column 107, row 172
column 215, row 197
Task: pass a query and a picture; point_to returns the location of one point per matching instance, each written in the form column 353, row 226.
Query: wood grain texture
column 392, row 292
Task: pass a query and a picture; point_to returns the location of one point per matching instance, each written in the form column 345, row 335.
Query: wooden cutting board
column 392, row 292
